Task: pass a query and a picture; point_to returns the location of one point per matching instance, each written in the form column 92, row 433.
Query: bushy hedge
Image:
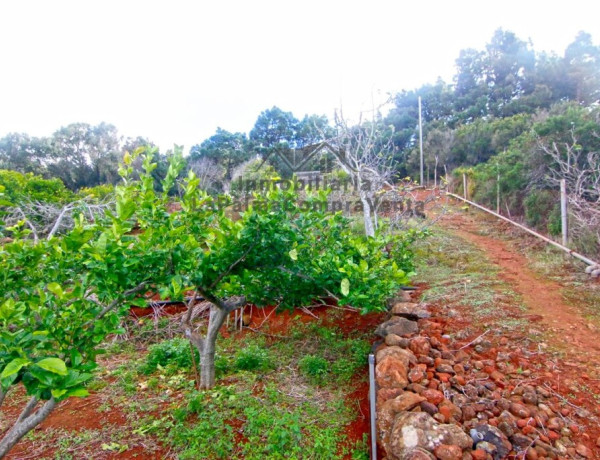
column 19, row 187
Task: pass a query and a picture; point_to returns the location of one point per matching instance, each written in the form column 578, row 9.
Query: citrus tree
column 64, row 295
column 280, row 251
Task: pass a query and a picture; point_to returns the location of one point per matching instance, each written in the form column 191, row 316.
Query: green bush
column 29, row 187
column 554, row 221
column 99, row 192
column 222, row 366
column 251, row 358
column 272, row 434
column 538, row 206
column 355, row 358
column 174, row 353
column 314, row 367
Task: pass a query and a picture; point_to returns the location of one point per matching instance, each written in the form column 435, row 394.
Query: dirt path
column 568, row 330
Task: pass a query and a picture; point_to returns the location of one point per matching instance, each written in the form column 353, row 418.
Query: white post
column 421, row 141
column 563, row 211
column 498, row 193
column 373, row 406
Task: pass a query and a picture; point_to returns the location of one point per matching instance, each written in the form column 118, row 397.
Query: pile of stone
column 593, row 270
column 434, row 402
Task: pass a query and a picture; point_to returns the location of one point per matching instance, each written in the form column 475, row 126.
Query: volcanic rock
column 409, row 310
column 391, row 372
column 419, row 429
column 397, row 325
column 490, row 434
column 447, row 452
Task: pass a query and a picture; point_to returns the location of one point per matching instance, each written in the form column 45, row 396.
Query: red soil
column 574, row 378
column 77, row 414
column 542, row 297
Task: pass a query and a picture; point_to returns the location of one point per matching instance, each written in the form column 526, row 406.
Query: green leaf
column 58, row 392
column 47, row 379
column 345, row 285
column 293, row 254
column 76, row 357
column 78, row 392
column 139, row 302
column 101, row 244
column 14, row 367
column 55, row 289
column 54, row 365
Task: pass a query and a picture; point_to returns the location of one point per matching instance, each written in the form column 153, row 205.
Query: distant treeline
column 509, row 110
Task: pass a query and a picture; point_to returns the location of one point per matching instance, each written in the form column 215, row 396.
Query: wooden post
column 465, row 186
column 563, row 211
column 421, row 142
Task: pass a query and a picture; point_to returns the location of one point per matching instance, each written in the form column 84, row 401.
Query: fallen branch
column 473, row 341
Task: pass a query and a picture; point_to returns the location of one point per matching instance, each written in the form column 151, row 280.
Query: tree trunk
column 25, row 423
column 2, row 396
column 207, row 354
column 367, row 214
column 219, row 311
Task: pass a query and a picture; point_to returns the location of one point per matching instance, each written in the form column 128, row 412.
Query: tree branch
column 228, row 305
column 115, row 302
column 27, row 410
column 3, row 395
column 303, row 276
column 231, row 267
column 58, row 221
column 29, row 224
column 25, row 424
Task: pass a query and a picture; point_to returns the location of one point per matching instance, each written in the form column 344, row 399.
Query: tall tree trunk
column 219, row 310
column 367, row 214
column 25, row 423
column 207, row 354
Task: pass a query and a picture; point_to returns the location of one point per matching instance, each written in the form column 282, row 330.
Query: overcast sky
column 173, row 71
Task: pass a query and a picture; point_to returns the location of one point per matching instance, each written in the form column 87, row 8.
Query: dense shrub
column 314, row 367
column 175, row 353
column 252, row 357
column 538, row 206
column 29, row 187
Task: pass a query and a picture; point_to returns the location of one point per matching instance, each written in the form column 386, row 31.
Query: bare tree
column 365, row 153
column 438, row 144
column 210, row 173
column 46, row 220
column 582, row 173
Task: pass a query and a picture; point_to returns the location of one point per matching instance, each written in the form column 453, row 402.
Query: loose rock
column 391, row 372
column 397, row 325
column 490, row 434
column 448, row 452
column 409, row 310
column 419, row 429
column 583, row 451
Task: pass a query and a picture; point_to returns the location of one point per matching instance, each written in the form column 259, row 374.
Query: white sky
column 173, row 71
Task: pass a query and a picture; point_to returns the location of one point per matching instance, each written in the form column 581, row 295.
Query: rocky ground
column 477, row 365
column 439, row 399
